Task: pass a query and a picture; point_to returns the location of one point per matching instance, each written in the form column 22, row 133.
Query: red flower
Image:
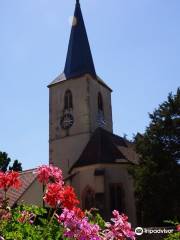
column 68, row 198
column 78, row 212
column 53, row 194
column 14, row 179
column 56, row 195
column 9, row 179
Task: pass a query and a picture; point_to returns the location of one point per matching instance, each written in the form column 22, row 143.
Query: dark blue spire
column 79, row 58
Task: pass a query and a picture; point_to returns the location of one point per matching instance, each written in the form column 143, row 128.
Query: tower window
column 101, row 121
column 100, row 102
column 68, row 101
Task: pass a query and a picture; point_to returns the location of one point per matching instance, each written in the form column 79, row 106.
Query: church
column 93, row 159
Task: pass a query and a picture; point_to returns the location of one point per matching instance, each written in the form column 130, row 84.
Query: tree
column 157, row 177
column 5, row 161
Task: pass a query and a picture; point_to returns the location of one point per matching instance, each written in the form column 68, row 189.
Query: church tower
column 79, row 101
column 94, row 160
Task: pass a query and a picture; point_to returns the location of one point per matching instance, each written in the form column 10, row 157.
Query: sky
column 136, row 50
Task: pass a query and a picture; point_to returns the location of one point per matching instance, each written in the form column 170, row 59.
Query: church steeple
column 79, row 58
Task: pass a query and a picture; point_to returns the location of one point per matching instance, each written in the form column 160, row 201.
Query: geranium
column 53, row 195
column 48, row 174
column 9, row 179
column 78, row 228
column 78, row 212
column 120, row 229
column 74, row 223
column 57, row 196
column 68, row 197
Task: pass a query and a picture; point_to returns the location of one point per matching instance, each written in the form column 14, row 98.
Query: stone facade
column 86, row 178
column 65, row 146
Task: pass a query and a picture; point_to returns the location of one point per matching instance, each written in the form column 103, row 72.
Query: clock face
column 67, row 121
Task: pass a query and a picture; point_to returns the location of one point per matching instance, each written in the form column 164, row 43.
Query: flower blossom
column 5, row 214
column 53, row 194
column 78, row 212
column 57, row 195
column 9, row 179
column 26, row 217
column 48, row 174
column 78, row 228
column 120, row 229
column 68, row 198
column 178, row 227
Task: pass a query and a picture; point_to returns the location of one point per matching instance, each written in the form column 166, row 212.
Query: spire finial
column 77, row 2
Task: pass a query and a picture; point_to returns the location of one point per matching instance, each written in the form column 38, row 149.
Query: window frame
column 68, row 100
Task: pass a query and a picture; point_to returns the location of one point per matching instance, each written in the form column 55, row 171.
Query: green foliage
column 95, row 218
column 157, row 177
column 17, row 166
column 41, row 228
column 5, row 161
column 174, row 236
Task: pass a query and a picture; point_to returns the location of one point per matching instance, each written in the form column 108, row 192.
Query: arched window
column 68, row 101
column 100, row 118
column 100, row 102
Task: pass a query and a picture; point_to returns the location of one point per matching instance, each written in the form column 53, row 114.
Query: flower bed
column 63, row 219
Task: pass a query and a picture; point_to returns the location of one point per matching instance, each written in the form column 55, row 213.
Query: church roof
column 105, row 148
column 79, row 58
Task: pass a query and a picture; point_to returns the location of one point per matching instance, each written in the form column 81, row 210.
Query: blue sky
column 136, row 50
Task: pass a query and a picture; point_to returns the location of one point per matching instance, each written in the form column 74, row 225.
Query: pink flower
column 49, row 173
column 178, row 227
column 120, row 229
column 78, row 228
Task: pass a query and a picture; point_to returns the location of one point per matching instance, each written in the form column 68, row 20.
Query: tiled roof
column 27, row 178
column 106, row 147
